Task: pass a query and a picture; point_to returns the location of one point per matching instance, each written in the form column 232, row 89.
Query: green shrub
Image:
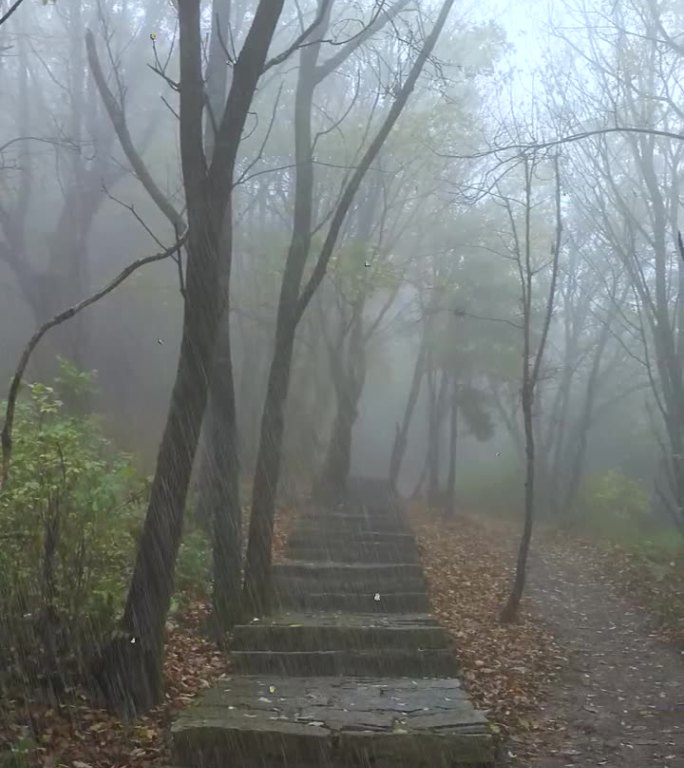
column 193, row 567
column 18, row 755
column 613, row 505
column 69, row 520
column 498, row 489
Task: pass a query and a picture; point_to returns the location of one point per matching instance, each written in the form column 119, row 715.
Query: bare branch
column 67, row 314
column 554, row 277
column 11, row 10
column 269, row 130
column 369, row 156
column 377, row 22
column 320, row 16
column 131, row 208
column 118, row 118
column 533, row 147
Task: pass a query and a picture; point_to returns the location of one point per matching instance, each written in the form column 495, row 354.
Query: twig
column 173, row 111
column 137, row 216
column 67, row 314
column 260, row 153
column 178, row 258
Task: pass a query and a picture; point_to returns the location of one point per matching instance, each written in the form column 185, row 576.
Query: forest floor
column 36, row 731
column 592, row 674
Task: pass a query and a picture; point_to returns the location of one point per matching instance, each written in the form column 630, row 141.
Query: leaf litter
column 589, row 674
column 72, row 733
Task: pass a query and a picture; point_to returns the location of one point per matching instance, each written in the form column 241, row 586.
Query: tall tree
column 294, row 299
column 533, row 353
column 130, row 667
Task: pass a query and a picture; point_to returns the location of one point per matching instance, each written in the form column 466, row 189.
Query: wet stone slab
column 279, row 721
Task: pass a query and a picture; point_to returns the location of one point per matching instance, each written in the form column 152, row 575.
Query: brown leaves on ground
column 506, row 668
column 283, row 527
column 73, row 734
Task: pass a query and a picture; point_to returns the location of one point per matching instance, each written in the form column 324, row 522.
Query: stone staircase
column 351, row 670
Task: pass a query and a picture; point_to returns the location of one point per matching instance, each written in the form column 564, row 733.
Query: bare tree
column 533, row 354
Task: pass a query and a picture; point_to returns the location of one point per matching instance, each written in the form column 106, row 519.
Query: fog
column 437, row 246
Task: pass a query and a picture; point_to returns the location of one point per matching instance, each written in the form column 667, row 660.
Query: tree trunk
column 510, row 610
column 401, row 436
column 450, row 500
column 129, row 669
column 292, row 303
column 437, row 398
column 220, row 494
column 531, row 371
column 338, row 461
column 338, row 457
column 257, row 585
column 218, row 500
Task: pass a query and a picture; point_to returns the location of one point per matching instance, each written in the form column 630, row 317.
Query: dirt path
column 620, row 704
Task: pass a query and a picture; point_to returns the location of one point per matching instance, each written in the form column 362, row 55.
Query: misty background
column 72, row 214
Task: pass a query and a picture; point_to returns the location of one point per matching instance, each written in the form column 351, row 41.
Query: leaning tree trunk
column 129, row 670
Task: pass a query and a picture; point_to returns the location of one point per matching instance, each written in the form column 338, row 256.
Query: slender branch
column 377, row 22
column 136, row 215
column 118, row 118
column 533, row 147
column 554, row 278
column 464, row 313
column 12, row 9
column 269, row 130
column 67, row 314
column 281, row 57
column 369, row 156
column 56, row 142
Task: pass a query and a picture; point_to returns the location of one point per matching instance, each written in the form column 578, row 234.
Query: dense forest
column 252, row 248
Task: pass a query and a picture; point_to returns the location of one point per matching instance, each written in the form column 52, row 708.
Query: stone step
column 356, row 602
column 349, row 573
column 270, row 722
column 336, row 631
column 342, row 552
column 352, row 523
column 324, row 537
column 298, row 577
column 292, row 588
column 392, row 662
